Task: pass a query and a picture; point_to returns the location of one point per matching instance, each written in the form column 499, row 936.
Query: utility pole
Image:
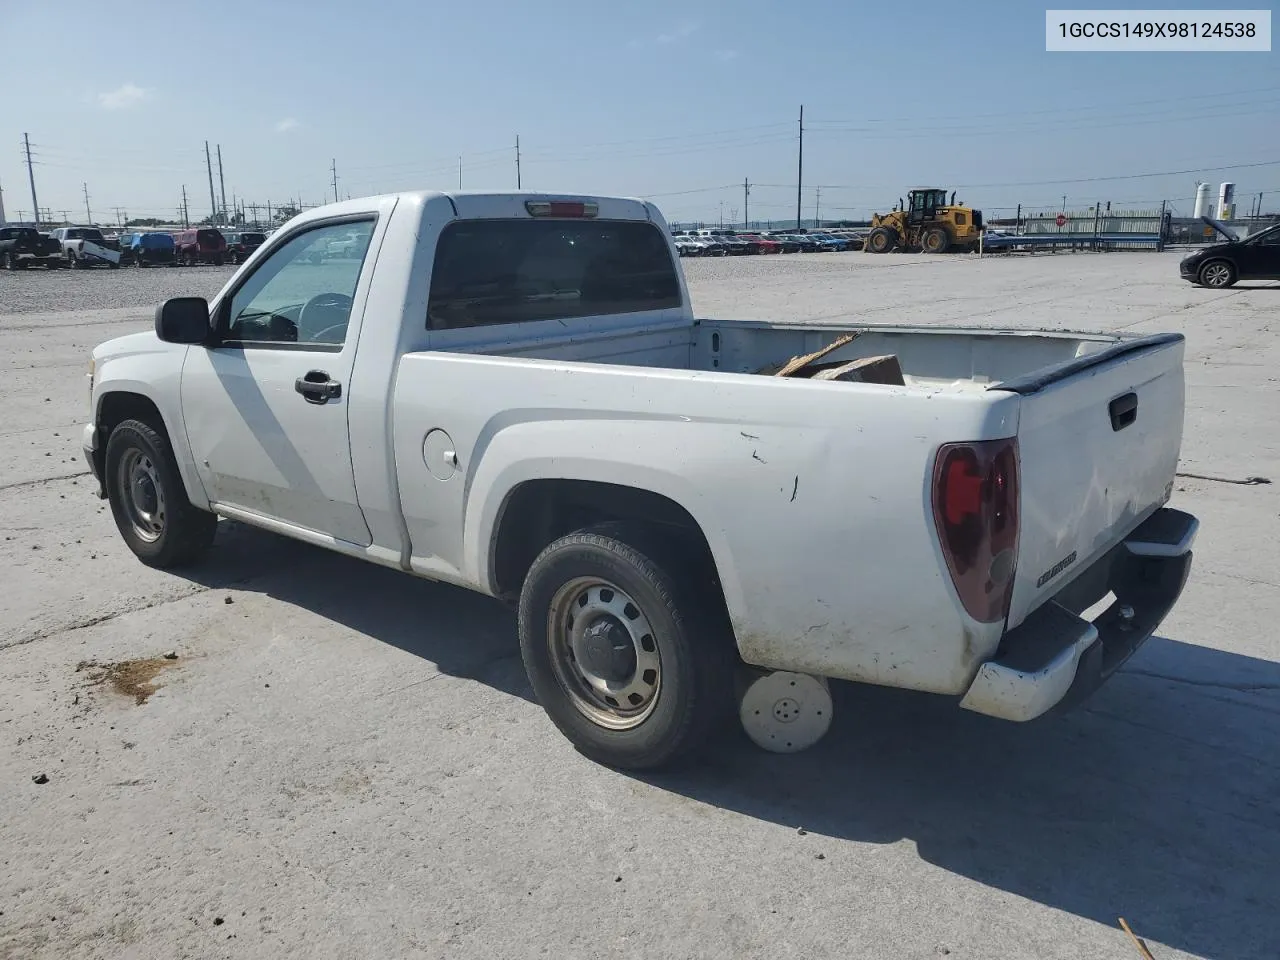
column 122, row 215
column 817, row 207
column 459, row 173
column 800, row 167
column 335, row 181
column 746, row 194
column 88, row 215
column 268, row 213
column 3, row 221
column 222, row 184
column 518, row 183
column 213, row 201
column 186, row 217
column 31, row 176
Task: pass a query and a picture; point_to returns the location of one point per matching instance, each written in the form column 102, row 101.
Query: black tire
column 10, row 261
column 73, row 261
column 184, row 532
column 935, row 240
column 693, row 689
column 882, row 240
column 1216, row 274
column 53, row 263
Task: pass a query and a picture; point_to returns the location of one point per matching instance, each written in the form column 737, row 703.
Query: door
column 266, row 409
column 1259, row 257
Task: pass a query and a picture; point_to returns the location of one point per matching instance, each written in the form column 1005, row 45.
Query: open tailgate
column 1098, row 444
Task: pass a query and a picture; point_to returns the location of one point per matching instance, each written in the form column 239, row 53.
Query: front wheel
column 882, row 240
column 629, row 663
column 149, row 503
column 1217, row 274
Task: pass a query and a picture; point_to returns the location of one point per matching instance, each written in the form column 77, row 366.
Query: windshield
column 511, row 271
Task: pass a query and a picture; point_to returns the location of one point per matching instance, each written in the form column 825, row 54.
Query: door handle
column 316, row 387
column 1123, row 410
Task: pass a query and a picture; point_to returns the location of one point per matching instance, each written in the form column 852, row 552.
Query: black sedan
column 1254, row 258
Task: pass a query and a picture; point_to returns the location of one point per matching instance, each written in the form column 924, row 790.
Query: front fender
column 156, row 377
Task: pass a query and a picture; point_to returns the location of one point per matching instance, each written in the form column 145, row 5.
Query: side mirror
column 183, row 320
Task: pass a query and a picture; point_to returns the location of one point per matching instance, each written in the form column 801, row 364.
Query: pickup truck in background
column 22, row 247
column 86, row 247
column 510, row 392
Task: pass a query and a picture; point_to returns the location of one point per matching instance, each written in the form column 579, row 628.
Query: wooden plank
column 884, row 369
column 795, row 364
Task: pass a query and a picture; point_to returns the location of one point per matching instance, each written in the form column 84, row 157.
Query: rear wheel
column 72, row 260
column 631, row 664
column 148, row 501
column 1217, row 274
column 935, row 240
column 10, row 261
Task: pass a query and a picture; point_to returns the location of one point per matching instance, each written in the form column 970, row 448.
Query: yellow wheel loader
column 928, row 223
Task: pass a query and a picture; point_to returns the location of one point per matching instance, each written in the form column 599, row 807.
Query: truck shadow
column 1156, row 801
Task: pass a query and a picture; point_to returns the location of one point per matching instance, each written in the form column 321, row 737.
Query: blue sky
column 674, row 100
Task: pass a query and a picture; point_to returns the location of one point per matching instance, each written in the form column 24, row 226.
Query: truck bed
column 951, row 358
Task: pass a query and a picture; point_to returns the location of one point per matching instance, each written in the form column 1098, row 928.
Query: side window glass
column 1272, row 239
column 302, row 292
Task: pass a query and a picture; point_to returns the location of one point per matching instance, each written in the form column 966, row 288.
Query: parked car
column 200, row 245
column 147, row 249
column 86, row 247
column 22, row 247
column 764, row 244
column 805, row 242
column 689, row 246
column 711, row 246
column 659, row 522
column 1256, row 257
column 240, row 246
column 829, row 243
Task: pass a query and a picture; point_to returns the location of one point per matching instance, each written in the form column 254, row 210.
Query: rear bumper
column 1056, row 659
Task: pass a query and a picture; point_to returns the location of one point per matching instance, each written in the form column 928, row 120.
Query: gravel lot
column 345, row 762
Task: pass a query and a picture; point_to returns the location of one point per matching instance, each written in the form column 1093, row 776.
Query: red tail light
column 975, row 507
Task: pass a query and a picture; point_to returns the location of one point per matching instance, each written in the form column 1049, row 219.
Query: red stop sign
column 1061, row 220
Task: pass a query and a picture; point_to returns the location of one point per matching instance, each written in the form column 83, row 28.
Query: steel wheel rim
column 1216, row 274
column 588, row 616
column 142, row 494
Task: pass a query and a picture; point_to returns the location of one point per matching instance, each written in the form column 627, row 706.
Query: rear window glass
column 253, row 238
column 208, row 236
column 512, row 271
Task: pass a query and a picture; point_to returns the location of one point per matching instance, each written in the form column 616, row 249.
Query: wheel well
column 540, row 511
column 119, row 407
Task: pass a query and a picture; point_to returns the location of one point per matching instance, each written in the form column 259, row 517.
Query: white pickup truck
column 510, row 392
column 86, row 247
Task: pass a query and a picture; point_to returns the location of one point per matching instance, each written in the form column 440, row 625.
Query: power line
column 1057, row 111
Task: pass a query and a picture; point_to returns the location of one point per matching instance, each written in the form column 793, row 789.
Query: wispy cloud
column 683, row 32
column 724, row 56
column 122, row 97
column 287, row 124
